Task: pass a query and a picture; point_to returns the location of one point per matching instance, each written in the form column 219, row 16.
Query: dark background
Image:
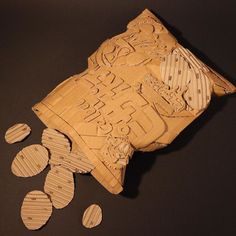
column 188, row 188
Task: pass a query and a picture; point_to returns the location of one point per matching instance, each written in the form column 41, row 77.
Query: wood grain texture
column 30, row 161
column 175, row 71
column 74, row 161
column 77, row 163
column 183, row 71
column 36, row 210
column 59, row 185
column 17, row 133
column 92, row 216
column 199, row 90
column 56, row 142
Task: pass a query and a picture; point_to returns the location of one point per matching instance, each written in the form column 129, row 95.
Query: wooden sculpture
column 141, row 89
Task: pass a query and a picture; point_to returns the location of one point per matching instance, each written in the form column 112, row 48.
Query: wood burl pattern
column 141, row 89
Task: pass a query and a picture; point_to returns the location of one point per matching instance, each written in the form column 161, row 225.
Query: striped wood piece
column 56, row 142
column 36, row 210
column 92, row 216
column 17, row 133
column 175, row 71
column 191, row 58
column 59, row 184
column 77, row 162
column 181, row 69
column 30, row 161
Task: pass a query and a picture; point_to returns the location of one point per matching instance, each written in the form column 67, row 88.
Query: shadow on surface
column 185, row 43
column 143, row 162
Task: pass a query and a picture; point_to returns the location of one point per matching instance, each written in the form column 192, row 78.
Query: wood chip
column 17, row 133
column 92, row 216
column 76, row 162
column 59, row 184
column 57, row 159
column 56, row 142
column 36, row 210
column 175, row 71
column 30, row 161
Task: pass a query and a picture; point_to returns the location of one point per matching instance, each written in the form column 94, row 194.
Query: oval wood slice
column 59, row 184
column 56, row 160
column 92, row 216
column 30, row 161
column 56, row 142
column 77, row 162
column 17, row 133
column 36, row 210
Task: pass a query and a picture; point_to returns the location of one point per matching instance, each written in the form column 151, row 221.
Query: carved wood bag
column 141, row 89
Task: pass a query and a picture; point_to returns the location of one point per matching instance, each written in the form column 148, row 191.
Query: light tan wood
column 183, row 71
column 30, row 161
column 59, row 147
column 77, row 163
column 92, row 216
column 36, row 210
column 17, row 133
column 59, row 185
column 56, row 142
column 140, row 90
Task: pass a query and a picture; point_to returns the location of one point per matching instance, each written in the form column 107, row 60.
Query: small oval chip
column 17, row 133
column 36, row 210
column 30, row 161
column 59, row 184
column 56, row 142
column 92, row 216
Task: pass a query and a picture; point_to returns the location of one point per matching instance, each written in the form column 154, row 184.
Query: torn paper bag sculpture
column 141, row 89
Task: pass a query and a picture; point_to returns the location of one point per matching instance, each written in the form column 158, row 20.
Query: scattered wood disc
column 56, row 142
column 77, row 162
column 57, row 159
column 92, row 216
column 36, row 210
column 59, row 184
column 17, row 133
column 30, row 161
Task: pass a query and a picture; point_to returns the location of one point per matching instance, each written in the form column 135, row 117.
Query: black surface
column 187, row 189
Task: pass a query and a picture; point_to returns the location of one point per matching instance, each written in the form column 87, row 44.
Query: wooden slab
column 36, row 210
column 92, row 216
column 59, row 184
column 56, row 142
column 17, row 133
column 30, row 161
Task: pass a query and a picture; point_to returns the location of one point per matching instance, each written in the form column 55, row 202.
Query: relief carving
column 141, row 89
